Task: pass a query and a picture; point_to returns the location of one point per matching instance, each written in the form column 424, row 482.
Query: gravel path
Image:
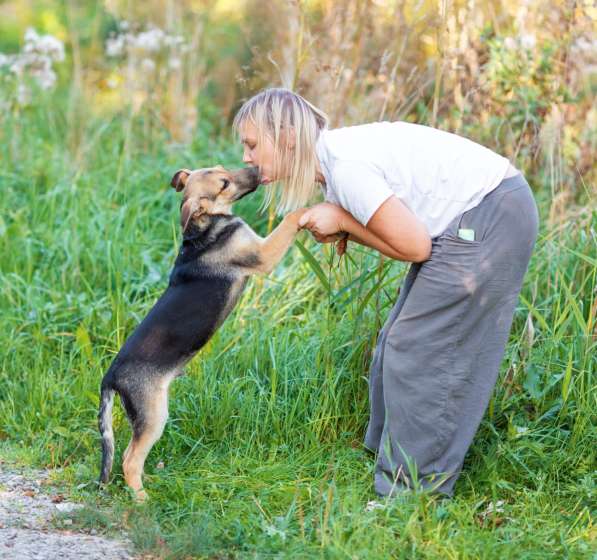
column 27, row 531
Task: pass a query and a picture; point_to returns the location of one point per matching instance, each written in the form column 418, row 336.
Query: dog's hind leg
column 148, row 426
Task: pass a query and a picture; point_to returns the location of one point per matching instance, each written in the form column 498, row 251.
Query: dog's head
column 212, row 190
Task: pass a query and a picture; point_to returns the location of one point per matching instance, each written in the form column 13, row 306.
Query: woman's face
column 259, row 154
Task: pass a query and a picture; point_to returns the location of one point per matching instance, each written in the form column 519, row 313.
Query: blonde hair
column 274, row 112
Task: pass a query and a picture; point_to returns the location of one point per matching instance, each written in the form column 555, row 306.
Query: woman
column 465, row 218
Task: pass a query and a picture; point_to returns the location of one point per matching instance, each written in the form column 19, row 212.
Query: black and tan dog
column 219, row 252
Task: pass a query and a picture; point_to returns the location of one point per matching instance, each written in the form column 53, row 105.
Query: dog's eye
column 226, row 182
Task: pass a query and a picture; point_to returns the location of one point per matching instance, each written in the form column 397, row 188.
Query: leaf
column 83, row 341
column 315, row 266
column 540, row 319
column 572, row 300
column 531, row 382
column 592, row 262
column 61, row 431
column 567, row 377
column 93, row 397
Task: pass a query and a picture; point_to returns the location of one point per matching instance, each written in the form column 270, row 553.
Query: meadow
column 262, row 455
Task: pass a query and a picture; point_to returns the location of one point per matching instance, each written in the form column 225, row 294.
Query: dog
column 219, row 252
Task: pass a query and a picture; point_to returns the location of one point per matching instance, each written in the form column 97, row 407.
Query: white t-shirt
column 436, row 174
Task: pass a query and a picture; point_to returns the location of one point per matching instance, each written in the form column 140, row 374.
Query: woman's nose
column 247, row 157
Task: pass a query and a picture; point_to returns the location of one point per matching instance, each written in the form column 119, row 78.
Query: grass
column 262, row 454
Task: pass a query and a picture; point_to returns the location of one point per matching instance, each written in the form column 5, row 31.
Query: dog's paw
column 141, row 496
column 295, row 216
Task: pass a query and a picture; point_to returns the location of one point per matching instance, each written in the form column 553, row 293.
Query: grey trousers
column 438, row 355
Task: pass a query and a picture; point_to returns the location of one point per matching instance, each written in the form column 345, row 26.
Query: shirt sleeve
column 360, row 188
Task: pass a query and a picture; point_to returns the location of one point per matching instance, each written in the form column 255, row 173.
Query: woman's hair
column 274, row 112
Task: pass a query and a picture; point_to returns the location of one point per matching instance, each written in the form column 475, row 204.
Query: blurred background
column 518, row 76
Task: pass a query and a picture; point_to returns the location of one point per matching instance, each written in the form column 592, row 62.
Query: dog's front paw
column 294, row 217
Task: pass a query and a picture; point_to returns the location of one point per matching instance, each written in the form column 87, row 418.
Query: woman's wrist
column 346, row 221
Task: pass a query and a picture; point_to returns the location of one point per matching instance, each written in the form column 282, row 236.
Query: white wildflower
column 144, row 53
column 150, row 41
column 44, row 45
column 373, row 505
column 17, row 65
column 34, row 61
column 45, row 79
column 528, row 41
column 148, row 65
column 31, row 35
column 585, row 46
column 23, row 94
column 491, row 509
column 510, row 43
column 272, row 531
column 53, row 48
column 115, row 46
column 174, row 63
column 497, row 507
column 173, row 41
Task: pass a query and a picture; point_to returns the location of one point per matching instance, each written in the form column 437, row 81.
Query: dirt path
column 27, row 523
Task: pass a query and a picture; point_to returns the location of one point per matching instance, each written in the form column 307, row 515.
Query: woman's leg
column 376, row 402
column 442, row 353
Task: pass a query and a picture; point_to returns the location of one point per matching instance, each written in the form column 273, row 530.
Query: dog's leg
column 274, row 246
column 147, row 429
column 127, row 451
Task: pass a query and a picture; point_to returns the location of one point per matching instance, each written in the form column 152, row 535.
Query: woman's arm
column 393, row 230
column 393, row 226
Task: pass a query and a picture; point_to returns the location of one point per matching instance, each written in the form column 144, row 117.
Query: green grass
column 262, row 454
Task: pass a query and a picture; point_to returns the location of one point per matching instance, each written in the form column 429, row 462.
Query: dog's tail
column 104, row 418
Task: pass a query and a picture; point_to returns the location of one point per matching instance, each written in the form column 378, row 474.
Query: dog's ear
column 186, row 211
column 190, row 208
column 179, row 179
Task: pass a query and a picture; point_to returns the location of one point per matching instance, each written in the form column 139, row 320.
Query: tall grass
column 262, row 454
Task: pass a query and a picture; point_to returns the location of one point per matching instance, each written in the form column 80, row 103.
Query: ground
column 35, row 522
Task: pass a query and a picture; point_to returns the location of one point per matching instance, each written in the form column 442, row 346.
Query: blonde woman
column 465, row 218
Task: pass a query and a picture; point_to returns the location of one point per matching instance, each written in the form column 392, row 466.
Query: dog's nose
column 247, row 176
column 255, row 173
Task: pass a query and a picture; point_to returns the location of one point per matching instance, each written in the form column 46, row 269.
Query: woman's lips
column 265, row 180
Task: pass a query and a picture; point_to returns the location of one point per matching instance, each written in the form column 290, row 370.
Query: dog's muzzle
column 246, row 180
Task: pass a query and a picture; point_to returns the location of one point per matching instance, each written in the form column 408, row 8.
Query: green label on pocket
column 466, row 234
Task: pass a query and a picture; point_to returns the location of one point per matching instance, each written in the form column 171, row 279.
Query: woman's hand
column 392, row 230
column 324, row 221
